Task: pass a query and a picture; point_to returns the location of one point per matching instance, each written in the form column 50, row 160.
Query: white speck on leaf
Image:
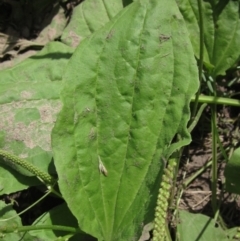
column 101, row 167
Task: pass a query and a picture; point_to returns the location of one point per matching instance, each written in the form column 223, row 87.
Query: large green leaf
column 29, row 103
column 88, row 17
column 61, row 216
column 10, row 223
column 189, row 10
column 227, row 37
column 126, row 94
column 196, row 227
column 221, row 32
column 232, row 173
column 9, row 220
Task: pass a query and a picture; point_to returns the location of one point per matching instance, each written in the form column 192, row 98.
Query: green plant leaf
column 12, row 181
column 196, row 227
column 126, row 94
column 232, row 173
column 88, row 17
column 227, row 37
column 29, row 103
column 233, row 233
column 59, row 215
column 221, row 32
column 7, row 222
column 189, row 10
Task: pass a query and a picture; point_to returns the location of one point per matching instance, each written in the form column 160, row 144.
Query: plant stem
column 32, row 205
column 191, row 178
column 197, row 117
column 214, row 158
column 179, row 196
column 10, row 229
column 217, row 100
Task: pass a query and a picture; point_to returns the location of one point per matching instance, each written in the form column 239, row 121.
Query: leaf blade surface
column 123, row 107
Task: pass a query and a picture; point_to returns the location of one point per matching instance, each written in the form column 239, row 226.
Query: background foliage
column 116, row 88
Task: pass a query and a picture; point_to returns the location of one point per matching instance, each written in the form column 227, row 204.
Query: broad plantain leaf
column 88, row 17
column 61, row 216
column 126, row 95
column 227, row 37
column 232, row 173
column 189, row 10
column 7, row 222
column 12, row 181
column 196, row 227
column 221, row 32
column 29, row 103
column 10, row 223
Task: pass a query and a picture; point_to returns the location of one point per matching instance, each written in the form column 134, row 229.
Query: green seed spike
column 43, row 176
column 159, row 231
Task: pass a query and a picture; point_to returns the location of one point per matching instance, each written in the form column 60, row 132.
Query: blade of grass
column 214, row 157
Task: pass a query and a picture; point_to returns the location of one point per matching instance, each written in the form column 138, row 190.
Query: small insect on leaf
column 101, row 167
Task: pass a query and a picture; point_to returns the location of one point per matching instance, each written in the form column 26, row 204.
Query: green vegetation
column 103, row 125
